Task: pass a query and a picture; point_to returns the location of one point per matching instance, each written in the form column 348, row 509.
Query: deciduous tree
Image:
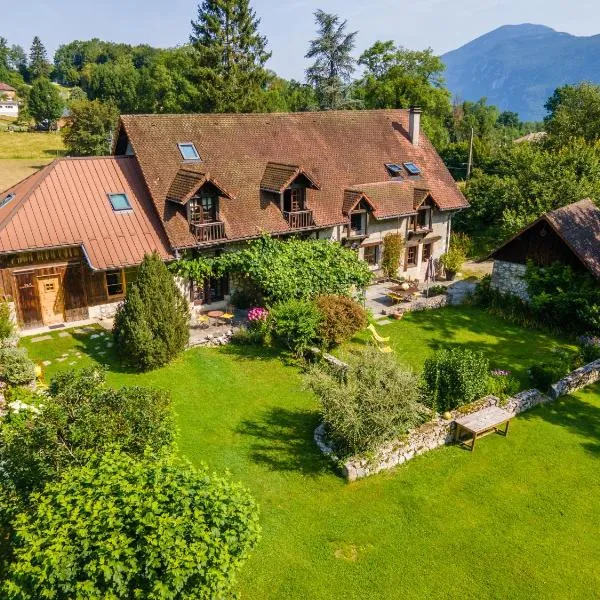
column 90, row 129
column 44, row 104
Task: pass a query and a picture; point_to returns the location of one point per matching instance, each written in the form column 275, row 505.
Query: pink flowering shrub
column 257, row 314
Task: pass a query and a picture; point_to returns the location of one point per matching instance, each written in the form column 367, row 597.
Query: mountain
column 517, row 67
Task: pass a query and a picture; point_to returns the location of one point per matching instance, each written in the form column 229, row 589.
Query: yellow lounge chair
column 376, row 336
column 384, row 349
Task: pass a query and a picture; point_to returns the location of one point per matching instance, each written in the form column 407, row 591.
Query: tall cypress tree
column 38, row 60
column 334, row 64
column 231, row 56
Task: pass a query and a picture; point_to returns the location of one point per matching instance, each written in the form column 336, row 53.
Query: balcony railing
column 208, row 232
column 299, row 219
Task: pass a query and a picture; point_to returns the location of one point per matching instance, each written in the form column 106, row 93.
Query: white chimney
column 414, row 124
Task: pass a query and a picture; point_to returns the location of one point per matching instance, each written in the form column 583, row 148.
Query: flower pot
column 450, row 275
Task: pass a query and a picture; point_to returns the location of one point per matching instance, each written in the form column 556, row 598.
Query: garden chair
column 227, row 317
column 378, row 338
column 203, row 321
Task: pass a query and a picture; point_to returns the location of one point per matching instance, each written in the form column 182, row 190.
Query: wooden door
column 28, row 304
column 51, row 299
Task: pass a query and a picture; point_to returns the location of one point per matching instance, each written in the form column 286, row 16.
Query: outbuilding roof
column 67, row 204
column 254, row 155
column 4, row 87
column 578, row 225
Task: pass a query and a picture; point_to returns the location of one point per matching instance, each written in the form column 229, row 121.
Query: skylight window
column 188, row 151
column 393, row 169
column 119, row 202
column 412, row 168
column 6, row 200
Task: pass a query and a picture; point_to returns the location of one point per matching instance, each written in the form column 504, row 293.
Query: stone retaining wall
column 579, row 378
column 427, row 437
column 509, row 278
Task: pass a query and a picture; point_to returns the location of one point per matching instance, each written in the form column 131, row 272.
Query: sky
column 289, row 24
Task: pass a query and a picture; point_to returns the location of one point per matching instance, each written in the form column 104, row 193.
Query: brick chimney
column 414, row 125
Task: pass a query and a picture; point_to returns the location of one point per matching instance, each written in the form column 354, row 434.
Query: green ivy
column 284, row 269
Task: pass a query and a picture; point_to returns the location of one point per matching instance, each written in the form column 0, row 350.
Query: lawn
column 12, row 170
column 512, row 520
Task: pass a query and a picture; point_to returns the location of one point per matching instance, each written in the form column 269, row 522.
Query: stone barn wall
column 509, row 278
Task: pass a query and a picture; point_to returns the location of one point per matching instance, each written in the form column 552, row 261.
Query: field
column 514, row 519
column 23, row 153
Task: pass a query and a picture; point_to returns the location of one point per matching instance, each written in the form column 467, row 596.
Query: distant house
column 72, row 235
column 9, row 107
column 568, row 235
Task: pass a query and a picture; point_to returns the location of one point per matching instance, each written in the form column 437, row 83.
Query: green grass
column 514, row 519
column 13, row 170
column 30, row 145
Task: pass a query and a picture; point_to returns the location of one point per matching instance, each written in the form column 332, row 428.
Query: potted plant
column 452, row 261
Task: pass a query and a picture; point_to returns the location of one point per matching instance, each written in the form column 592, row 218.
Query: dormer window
column 422, row 220
column 203, row 208
column 188, row 151
column 358, row 220
column 294, row 199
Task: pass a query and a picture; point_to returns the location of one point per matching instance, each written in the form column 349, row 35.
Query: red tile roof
column 338, row 149
column 66, row 204
column 4, row 87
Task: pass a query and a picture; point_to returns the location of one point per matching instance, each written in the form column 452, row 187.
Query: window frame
column 121, row 283
column 428, row 246
column 197, row 211
column 362, row 230
column 377, row 254
column 191, row 145
column 409, row 263
column 112, row 195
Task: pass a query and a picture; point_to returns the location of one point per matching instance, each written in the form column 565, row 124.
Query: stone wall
column 428, row 436
column 103, row 311
column 508, row 278
column 418, row 304
column 579, row 378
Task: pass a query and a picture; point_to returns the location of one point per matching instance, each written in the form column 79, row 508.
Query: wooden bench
column 482, row 422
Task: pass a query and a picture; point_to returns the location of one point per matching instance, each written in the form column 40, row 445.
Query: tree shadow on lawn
column 98, row 350
column 284, row 441
column 580, row 417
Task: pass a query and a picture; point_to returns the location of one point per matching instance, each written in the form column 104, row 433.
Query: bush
column 453, row 377
column 453, row 260
column 374, row 402
column 123, row 528
column 341, row 318
column 7, row 326
column 545, row 374
column 502, row 385
column 393, row 244
column 151, row 325
column 77, row 416
column 295, row 323
column 15, row 366
column 437, row 290
column 248, row 337
column 589, row 352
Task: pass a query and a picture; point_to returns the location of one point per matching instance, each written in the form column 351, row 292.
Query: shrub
column 80, row 415
column 453, row 377
column 7, row 326
column 15, row 366
column 589, row 352
column 453, row 260
column 437, row 290
column 373, row 402
column 393, row 244
column 123, row 528
column 295, row 323
column 502, row 385
column 341, row 318
column 248, row 337
column 151, row 325
column 545, row 374
column 461, row 242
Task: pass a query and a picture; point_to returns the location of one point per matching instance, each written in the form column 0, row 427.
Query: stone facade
column 103, row 311
column 508, row 278
column 579, row 378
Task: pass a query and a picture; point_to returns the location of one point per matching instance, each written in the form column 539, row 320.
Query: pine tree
column 38, row 60
column 151, row 326
column 334, row 63
column 231, row 56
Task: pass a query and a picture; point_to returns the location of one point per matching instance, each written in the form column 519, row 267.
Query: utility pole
column 470, row 163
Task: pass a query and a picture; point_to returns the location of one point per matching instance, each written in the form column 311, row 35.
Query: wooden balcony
column 299, row 219
column 206, row 233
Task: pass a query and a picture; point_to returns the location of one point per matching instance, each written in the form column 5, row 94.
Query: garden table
column 482, row 422
column 215, row 314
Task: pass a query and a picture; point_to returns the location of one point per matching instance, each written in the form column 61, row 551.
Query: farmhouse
column 205, row 184
column 9, row 107
column 569, row 235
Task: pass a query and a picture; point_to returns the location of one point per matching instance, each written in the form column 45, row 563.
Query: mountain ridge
column 517, row 67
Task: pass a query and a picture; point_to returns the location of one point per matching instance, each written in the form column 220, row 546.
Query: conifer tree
column 231, row 56
column 151, row 326
column 334, row 64
column 38, row 60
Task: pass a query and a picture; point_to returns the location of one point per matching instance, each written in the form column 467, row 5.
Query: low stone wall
column 103, row 311
column 509, row 278
column 418, row 305
column 428, row 436
column 577, row 379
